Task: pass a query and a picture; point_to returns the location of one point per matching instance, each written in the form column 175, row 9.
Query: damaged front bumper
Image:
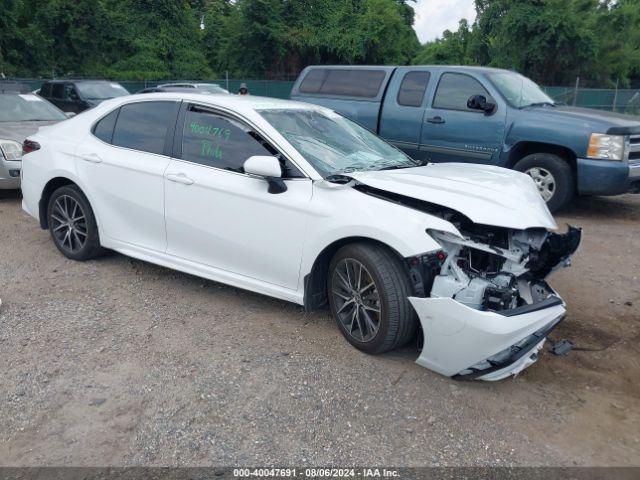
column 465, row 343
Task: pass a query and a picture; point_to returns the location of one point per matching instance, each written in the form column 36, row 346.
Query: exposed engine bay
column 494, row 269
column 490, row 268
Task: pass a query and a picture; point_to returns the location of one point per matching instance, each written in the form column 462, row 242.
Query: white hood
column 487, row 195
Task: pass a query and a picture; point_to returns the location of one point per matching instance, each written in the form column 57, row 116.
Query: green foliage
column 156, row 39
column 551, row 41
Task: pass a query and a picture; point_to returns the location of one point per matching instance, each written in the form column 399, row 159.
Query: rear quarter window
column 104, row 128
column 412, row 89
column 343, row 82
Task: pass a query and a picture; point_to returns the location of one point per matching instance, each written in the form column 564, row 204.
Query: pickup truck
column 488, row 116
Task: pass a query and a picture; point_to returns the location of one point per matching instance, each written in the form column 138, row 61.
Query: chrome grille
column 634, row 149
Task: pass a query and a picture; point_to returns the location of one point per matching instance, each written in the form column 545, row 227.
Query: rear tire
column 72, row 224
column 368, row 292
column 553, row 177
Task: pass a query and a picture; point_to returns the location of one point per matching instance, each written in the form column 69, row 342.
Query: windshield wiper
column 419, row 163
column 539, row 104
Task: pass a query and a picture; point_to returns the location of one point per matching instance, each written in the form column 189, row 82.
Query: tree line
column 552, row 41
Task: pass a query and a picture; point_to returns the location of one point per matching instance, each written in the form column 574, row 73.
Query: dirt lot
column 119, row 362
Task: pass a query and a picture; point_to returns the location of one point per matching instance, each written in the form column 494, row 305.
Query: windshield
column 518, row 90
column 101, row 90
column 333, row 144
column 22, row 108
column 211, row 88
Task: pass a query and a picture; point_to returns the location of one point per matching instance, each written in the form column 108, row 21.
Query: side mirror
column 479, row 102
column 268, row 168
column 70, row 114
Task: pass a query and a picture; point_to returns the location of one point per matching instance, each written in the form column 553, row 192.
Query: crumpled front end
column 483, row 302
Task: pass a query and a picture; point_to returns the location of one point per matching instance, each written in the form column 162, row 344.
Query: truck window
column 454, row 89
column 343, row 81
column 412, row 89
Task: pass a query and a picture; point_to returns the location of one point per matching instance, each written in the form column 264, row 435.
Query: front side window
column 70, row 92
column 412, row 89
column 144, row 126
column 218, row 141
column 333, row 144
column 455, row 89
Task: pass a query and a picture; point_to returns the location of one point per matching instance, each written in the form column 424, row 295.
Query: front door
column 403, row 110
column 218, row 216
column 452, row 132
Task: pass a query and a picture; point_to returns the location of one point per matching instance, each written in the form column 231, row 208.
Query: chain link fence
column 617, row 100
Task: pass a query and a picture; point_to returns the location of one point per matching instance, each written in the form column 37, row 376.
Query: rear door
column 403, row 109
column 219, row 216
column 452, row 132
column 122, row 164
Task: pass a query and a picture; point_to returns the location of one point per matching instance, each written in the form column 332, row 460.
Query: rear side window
column 343, row 81
column 412, row 89
column 454, row 89
column 45, row 91
column 57, row 90
column 217, row 141
column 144, row 126
column 104, row 128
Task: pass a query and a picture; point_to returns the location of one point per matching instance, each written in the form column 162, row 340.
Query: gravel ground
column 120, row 362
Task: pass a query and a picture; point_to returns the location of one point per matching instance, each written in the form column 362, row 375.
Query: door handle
column 91, row 157
column 180, row 178
column 436, row 119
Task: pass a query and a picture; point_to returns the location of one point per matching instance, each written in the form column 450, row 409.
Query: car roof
column 14, row 87
column 71, row 80
column 232, row 102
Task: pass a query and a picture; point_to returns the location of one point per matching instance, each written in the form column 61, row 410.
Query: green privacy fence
column 619, row 100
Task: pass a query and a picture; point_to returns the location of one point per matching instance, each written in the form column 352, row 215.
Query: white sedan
column 296, row 202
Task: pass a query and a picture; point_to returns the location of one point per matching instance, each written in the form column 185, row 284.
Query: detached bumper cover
column 459, row 340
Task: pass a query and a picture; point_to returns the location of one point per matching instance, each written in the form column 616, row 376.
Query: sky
column 435, row 16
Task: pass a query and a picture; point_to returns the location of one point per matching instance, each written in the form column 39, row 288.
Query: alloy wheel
column 69, row 224
column 356, row 299
column 544, row 180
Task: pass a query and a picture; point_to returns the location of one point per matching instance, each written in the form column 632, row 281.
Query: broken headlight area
column 493, row 269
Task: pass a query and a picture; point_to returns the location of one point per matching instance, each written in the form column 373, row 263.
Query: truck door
column 403, row 110
column 452, row 132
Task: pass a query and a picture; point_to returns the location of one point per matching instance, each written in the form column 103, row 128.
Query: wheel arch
column 315, row 292
column 524, row 148
column 51, row 186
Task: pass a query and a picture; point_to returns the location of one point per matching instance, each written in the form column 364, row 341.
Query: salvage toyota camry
column 297, row 202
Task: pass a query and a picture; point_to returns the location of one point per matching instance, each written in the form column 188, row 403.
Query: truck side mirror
column 479, row 102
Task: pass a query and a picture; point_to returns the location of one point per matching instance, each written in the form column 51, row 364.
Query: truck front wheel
column 553, row 177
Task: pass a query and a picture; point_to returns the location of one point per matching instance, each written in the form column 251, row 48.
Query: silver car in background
column 213, row 88
column 21, row 114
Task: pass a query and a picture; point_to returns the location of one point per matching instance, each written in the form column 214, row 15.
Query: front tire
column 368, row 292
column 553, row 177
column 72, row 224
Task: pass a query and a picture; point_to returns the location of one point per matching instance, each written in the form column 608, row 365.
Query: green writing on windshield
column 209, row 130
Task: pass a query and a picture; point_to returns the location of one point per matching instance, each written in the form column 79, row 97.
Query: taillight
column 30, row 146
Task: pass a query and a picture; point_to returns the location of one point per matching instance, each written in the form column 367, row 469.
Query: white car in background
column 294, row 201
